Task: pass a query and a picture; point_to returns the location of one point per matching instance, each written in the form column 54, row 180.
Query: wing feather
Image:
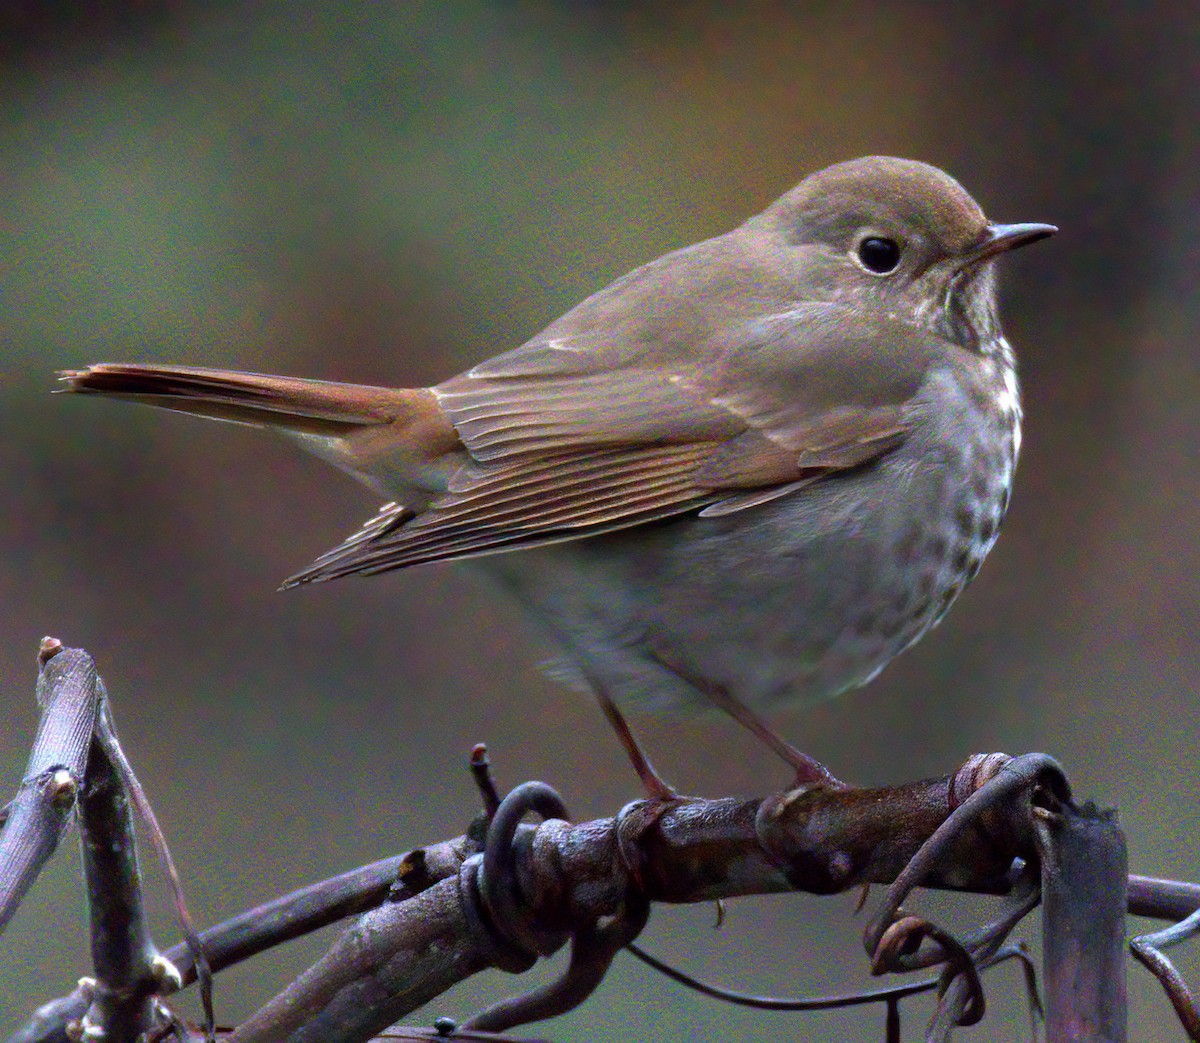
column 573, row 498
column 570, row 437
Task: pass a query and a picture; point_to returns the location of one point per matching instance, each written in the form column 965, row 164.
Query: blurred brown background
column 389, row 193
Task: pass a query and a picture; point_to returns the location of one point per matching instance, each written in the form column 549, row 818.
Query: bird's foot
column 809, row 770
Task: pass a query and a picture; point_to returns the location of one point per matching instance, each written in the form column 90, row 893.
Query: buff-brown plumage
column 829, row 436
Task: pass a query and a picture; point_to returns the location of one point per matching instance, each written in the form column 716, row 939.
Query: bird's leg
column 656, row 787
column 808, row 769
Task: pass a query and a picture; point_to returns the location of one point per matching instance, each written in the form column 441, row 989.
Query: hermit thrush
column 750, row 472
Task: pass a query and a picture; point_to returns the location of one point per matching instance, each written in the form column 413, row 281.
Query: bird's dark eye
column 879, row 255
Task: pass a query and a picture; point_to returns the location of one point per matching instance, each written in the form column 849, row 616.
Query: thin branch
column 1150, row 951
column 39, row 814
column 1159, row 899
column 127, row 966
column 106, row 737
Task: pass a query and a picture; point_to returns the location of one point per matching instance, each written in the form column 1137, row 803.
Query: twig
column 129, row 971
column 39, row 814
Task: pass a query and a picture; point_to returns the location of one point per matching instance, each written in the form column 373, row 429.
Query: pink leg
column 656, row 788
column 808, row 769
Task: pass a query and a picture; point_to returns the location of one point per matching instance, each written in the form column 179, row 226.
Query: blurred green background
column 389, row 193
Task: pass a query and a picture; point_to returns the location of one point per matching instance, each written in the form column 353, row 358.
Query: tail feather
column 297, row 405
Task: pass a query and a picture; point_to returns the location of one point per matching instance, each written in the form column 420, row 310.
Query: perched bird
column 749, row 473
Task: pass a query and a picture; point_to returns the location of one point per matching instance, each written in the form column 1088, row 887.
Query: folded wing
column 567, row 437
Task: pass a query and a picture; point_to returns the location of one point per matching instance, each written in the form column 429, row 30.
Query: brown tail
column 301, row 406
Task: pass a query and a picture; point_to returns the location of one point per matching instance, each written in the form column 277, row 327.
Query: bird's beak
column 1001, row 238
